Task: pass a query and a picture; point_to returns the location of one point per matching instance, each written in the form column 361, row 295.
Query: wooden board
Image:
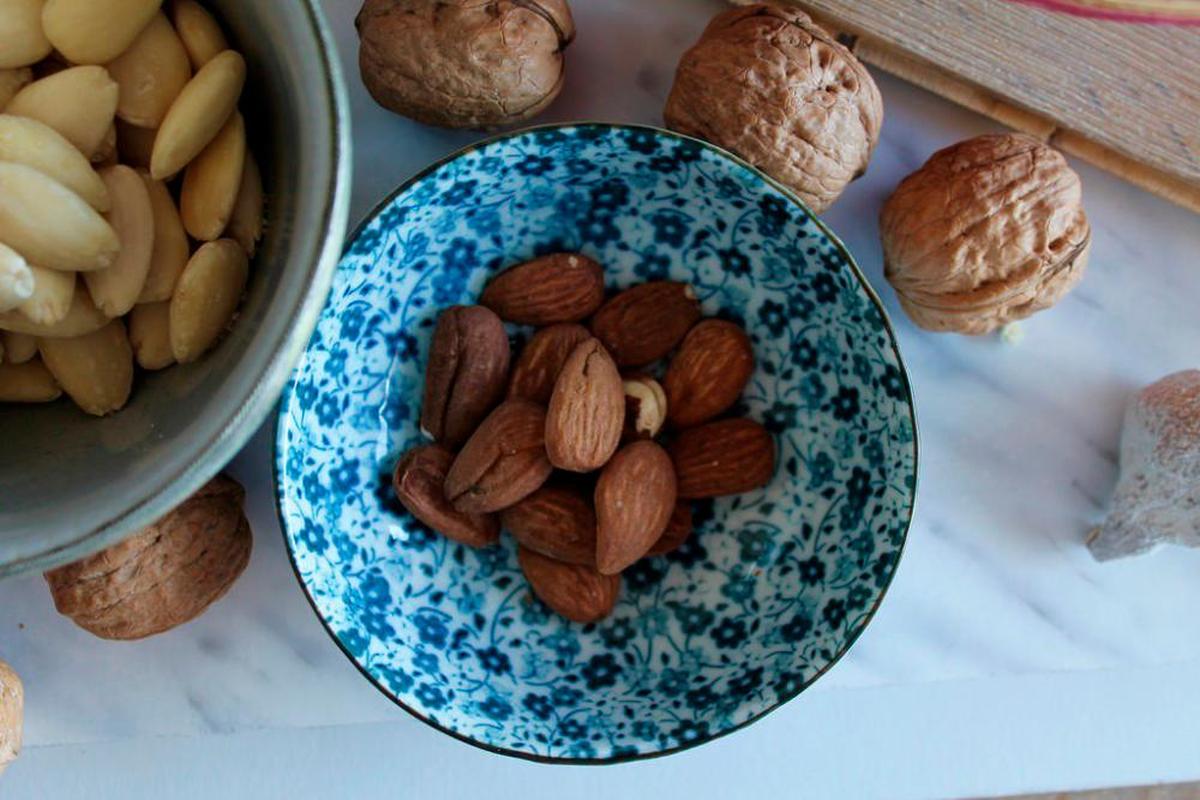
column 1123, row 96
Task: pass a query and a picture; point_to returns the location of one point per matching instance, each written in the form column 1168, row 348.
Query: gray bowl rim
column 245, row 417
column 871, row 295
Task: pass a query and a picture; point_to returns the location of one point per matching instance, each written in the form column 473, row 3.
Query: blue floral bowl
column 772, row 588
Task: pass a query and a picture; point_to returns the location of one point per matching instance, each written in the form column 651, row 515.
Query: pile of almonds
column 561, row 450
column 129, row 203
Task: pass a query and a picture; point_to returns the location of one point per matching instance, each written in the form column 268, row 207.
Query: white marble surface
column 1003, row 658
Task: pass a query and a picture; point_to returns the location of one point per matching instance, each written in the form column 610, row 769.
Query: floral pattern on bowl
column 773, row 586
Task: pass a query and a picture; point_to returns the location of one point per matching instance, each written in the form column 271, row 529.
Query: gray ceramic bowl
column 71, row 484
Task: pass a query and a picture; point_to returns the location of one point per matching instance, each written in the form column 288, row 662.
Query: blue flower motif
column 780, row 417
column 671, row 228
column 354, row 642
column 796, row 628
column 642, row 141
column 563, row 643
column 812, row 389
column 773, row 216
column 824, row 288
column 845, row 404
column 459, row 193
column 689, row 731
column 774, row 316
column 746, row 682
column 693, row 620
column 645, row 730
column 376, row 591
column 601, row 670
column 756, row 545
column 427, row 662
column 538, row 705
column 485, row 221
column 572, row 729
column 892, row 383
column 620, row 633
column 565, row 696
column 344, row 477
column 688, row 152
column 328, row 409
column 804, row 354
column 858, row 597
column 788, row 685
column 377, row 625
column 493, row 661
column 701, row 698
column 533, row 164
column 609, row 195
column 735, row 262
column 672, row 682
column 306, row 393
column 812, row 570
column 834, row 613
column 431, row 629
column 729, row 633
column 821, row 469
column 397, row 679
column 460, row 256
column 598, row 230
column 430, row 696
column 496, row 708
column 652, row 266
column 313, row 536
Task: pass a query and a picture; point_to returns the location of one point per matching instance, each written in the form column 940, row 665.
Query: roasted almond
column 150, row 335
column 587, row 410
column 503, row 461
column 709, row 372
column 211, row 182
column 562, row 287
column 645, row 408
column 151, row 74
column 419, row 482
column 577, row 592
column 96, row 370
column 679, row 528
column 556, row 521
column 51, row 226
column 542, row 359
column 95, row 31
column 206, row 298
column 634, row 500
column 729, row 456
column 468, row 367
column 78, row 102
column 644, row 323
column 29, row 382
column 115, row 290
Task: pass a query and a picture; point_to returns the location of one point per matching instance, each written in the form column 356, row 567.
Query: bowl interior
column 70, row 483
column 773, row 585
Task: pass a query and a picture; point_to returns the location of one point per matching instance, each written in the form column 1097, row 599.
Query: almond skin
column 418, row 481
column 503, row 462
column 561, row 287
column 709, row 372
column 679, row 528
column 556, row 521
column 538, row 366
column 587, row 410
column 635, row 497
column 644, row 323
column 468, row 367
column 577, row 592
column 729, row 456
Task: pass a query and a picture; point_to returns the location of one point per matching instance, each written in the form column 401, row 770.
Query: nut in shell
column 12, row 715
column 769, row 84
column 988, row 231
column 163, row 576
column 464, row 63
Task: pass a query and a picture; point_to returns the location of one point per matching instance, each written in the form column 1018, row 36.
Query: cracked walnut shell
column 988, row 231
column 464, row 63
column 769, row 84
column 163, row 576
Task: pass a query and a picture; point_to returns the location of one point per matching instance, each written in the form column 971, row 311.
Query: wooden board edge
column 885, row 56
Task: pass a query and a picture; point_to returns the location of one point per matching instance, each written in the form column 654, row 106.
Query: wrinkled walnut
column 769, row 84
column 1157, row 500
column 12, row 715
column 163, row 576
column 464, row 63
column 988, row 231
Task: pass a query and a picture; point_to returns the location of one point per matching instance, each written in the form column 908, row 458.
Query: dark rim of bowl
column 244, row 418
column 912, row 496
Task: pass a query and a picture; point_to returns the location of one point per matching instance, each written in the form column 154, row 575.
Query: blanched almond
column 106, row 153
column 35, row 144
column 211, row 182
column 13, row 81
column 200, row 33
column 51, row 226
column 18, row 347
column 16, row 279
column 150, row 335
column 206, row 298
column 21, row 39
column 171, row 250
column 53, row 293
column 96, row 370
column 29, row 382
column 82, row 317
column 151, row 73
column 116, row 289
column 134, row 144
column 78, row 102
column 246, row 221
column 198, row 113
column 95, row 31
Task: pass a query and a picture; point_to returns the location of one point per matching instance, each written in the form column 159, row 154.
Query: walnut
column 464, row 63
column 988, row 231
column 164, row 575
column 12, row 715
column 1157, row 500
column 769, row 84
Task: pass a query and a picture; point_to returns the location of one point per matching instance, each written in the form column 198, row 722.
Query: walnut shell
column 164, row 575
column 988, row 231
column 464, row 63
column 769, row 84
column 12, row 715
